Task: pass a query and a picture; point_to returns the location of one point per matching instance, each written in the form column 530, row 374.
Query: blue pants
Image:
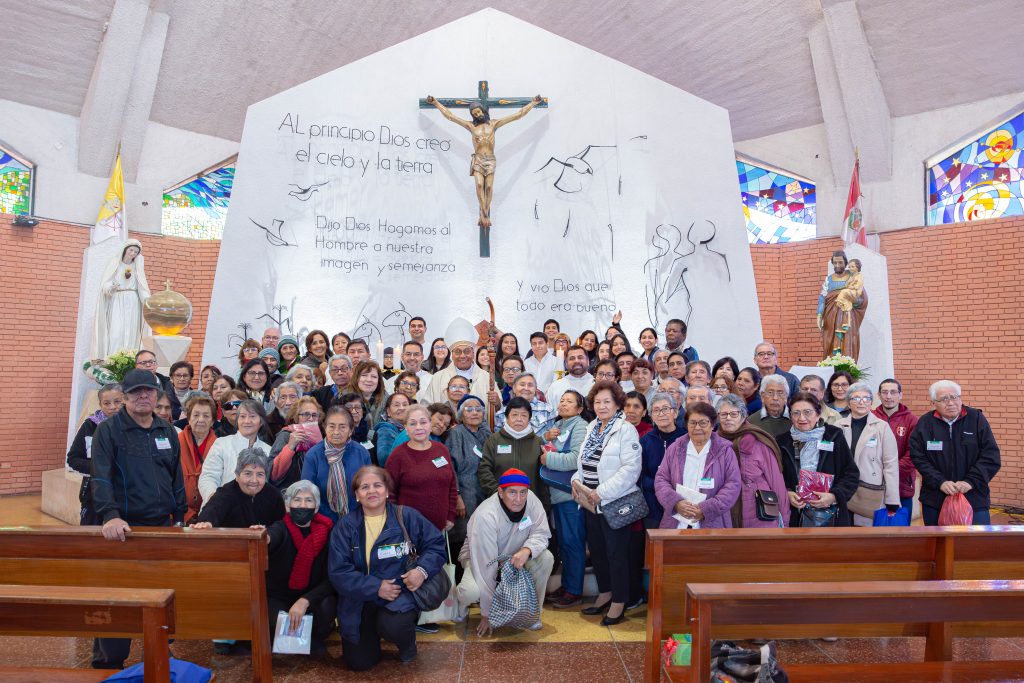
column 931, row 516
column 571, row 533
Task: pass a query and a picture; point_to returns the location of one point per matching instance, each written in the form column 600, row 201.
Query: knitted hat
column 513, row 477
column 462, row 402
column 270, row 353
column 287, row 339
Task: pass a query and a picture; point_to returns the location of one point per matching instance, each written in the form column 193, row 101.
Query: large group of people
column 368, row 476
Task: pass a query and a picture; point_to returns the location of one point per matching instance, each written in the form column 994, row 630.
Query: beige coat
column 877, row 455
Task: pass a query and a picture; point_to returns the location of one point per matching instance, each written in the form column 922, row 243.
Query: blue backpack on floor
column 181, row 672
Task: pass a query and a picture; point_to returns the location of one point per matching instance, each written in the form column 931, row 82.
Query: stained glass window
column 16, row 176
column 777, row 207
column 198, row 207
column 981, row 180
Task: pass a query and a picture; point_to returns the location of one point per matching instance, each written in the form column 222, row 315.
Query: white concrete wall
column 62, row 192
column 893, row 204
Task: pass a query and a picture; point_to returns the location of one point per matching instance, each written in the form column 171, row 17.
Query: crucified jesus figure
column 482, row 163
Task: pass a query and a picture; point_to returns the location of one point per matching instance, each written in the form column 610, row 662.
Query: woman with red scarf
column 195, row 440
column 297, row 581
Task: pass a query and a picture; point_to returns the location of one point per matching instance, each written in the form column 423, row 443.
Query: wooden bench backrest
column 78, row 611
column 677, row 558
column 219, row 576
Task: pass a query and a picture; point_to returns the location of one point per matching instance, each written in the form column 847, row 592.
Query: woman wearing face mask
column 111, row 398
column 333, row 462
column 196, row 440
column 390, row 427
column 219, row 466
column 294, row 442
column 297, row 578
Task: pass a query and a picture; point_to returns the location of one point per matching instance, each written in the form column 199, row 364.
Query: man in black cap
column 136, row 480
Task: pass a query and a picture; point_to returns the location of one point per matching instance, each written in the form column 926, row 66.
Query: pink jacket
column 760, row 470
column 720, row 466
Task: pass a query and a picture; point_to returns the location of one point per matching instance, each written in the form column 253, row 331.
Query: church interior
column 280, row 166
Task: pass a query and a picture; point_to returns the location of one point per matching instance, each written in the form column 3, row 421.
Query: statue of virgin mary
column 123, row 290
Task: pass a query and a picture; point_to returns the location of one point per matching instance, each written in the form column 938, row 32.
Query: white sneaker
column 536, row 627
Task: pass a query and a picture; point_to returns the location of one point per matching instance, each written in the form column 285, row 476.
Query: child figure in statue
column 854, row 290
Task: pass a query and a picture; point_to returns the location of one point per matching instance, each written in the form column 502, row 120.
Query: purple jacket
column 760, row 470
column 721, row 466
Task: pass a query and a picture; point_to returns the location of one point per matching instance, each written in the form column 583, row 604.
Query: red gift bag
column 956, row 511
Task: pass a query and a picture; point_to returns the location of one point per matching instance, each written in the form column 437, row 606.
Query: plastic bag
column 181, row 672
column 448, row 610
column 813, row 483
column 295, row 642
column 956, row 511
column 515, row 598
column 900, row 518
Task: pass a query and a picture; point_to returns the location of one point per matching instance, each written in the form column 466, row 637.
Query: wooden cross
column 483, row 99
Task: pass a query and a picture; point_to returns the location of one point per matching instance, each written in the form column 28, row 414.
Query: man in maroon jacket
column 902, row 423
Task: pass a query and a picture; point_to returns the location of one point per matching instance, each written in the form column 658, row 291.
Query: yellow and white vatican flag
column 111, row 220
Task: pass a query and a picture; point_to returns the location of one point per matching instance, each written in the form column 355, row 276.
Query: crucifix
column 482, row 162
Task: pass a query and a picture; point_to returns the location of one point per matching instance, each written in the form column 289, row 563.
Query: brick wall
column 949, row 288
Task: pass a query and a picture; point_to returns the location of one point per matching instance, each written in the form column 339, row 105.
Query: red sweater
column 428, row 489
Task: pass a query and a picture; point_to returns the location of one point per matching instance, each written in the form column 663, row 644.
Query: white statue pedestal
column 168, row 349
column 60, row 495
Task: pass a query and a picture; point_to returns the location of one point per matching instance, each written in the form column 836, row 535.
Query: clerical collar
column 514, row 517
column 467, row 373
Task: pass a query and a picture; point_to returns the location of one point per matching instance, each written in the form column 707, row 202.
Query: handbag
column 818, row 517
column 900, row 518
column 448, row 610
column 767, row 504
column 515, row 600
column 624, row 511
column 557, row 479
column 867, row 499
column 433, row 591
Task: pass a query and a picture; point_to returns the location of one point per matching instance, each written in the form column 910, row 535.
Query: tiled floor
column 570, row 647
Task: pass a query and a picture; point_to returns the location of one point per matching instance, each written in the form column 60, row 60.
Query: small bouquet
column 813, row 483
column 846, row 364
column 677, row 650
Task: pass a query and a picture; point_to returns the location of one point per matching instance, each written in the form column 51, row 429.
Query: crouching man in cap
column 511, row 522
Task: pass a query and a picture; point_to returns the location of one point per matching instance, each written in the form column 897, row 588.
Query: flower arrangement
column 120, row 363
column 846, row 364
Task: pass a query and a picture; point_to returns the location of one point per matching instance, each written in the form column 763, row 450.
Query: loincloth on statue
column 483, row 164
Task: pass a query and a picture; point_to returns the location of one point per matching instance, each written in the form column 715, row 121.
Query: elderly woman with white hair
column 955, row 451
column 297, row 575
column 874, row 450
column 246, row 501
column 303, row 376
column 763, row 501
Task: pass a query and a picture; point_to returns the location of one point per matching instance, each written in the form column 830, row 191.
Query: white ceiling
column 750, row 56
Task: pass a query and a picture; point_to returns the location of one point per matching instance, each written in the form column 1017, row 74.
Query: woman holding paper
column 813, row 447
column 699, row 481
column 297, row 581
column 609, row 468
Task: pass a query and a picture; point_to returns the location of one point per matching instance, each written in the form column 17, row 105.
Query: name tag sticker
column 706, row 483
column 562, row 437
column 386, row 552
column 439, row 461
column 825, row 446
column 477, row 452
column 872, row 441
column 368, row 445
column 935, row 445
column 88, row 447
column 163, row 443
column 505, row 448
column 525, row 523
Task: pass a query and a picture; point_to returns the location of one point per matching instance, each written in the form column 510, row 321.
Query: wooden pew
column 82, row 611
column 676, row 558
column 750, row 606
column 218, row 575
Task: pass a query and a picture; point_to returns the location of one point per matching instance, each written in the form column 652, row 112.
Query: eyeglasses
column 663, row 410
column 230, row 405
column 309, row 416
column 605, row 375
column 181, row 375
column 803, row 413
column 151, row 363
column 764, row 354
column 473, row 409
column 774, row 394
column 701, row 424
column 511, row 370
column 947, row 399
column 729, row 415
column 889, row 392
column 860, row 399
column 409, row 384
column 255, row 373
column 354, row 409
column 440, row 347
column 458, row 388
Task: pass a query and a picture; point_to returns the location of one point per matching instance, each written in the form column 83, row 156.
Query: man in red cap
column 511, row 522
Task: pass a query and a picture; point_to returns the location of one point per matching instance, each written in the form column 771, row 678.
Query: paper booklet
column 295, row 642
column 690, row 496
